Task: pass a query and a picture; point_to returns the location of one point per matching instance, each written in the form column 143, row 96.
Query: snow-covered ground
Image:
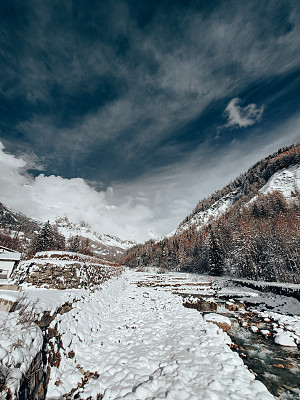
column 139, row 342
column 20, row 341
column 133, row 339
column 20, row 338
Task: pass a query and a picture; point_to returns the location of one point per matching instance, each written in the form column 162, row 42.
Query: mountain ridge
column 227, row 233
column 250, row 182
column 17, row 231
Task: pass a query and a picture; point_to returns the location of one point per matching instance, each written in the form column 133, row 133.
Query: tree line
column 257, row 238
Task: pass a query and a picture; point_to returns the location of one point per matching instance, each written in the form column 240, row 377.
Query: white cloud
column 242, row 117
column 48, row 197
column 150, row 206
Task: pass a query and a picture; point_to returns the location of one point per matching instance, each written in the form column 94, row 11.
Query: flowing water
column 278, row 367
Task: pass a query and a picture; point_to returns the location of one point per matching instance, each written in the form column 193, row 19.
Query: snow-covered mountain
column 14, row 222
column 246, row 188
column 17, row 231
column 203, row 217
column 103, row 245
column 249, row 228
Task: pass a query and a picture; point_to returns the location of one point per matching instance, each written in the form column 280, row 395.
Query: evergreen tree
column 215, row 256
column 59, row 241
column 86, row 247
column 45, row 238
column 74, row 244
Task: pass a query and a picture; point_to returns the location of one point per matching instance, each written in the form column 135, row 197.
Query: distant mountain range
column 106, row 246
column 250, row 228
column 18, row 231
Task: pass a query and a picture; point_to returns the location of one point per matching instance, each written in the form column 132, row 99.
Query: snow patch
column 284, row 339
column 286, row 181
column 20, row 341
column 202, row 218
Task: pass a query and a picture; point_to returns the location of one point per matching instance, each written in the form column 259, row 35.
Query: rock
column 220, row 320
column 201, row 305
column 71, row 354
column 34, row 383
column 284, row 339
column 231, row 306
column 278, row 365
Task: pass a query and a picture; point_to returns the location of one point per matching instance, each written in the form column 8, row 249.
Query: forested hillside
column 16, row 230
column 256, row 235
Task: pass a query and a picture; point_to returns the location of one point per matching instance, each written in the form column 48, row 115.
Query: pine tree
column 59, row 241
column 74, row 244
column 215, row 256
column 45, row 238
column 86, row 247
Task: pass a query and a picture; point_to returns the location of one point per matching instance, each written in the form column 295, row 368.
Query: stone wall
column 67, row 276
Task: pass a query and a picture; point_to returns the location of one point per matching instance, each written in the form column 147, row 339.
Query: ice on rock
column 284, row 339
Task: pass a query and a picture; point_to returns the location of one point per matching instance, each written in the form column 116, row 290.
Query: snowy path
column 145, row 345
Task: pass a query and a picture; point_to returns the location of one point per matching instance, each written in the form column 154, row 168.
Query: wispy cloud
column 163, row 80
column 242, row 117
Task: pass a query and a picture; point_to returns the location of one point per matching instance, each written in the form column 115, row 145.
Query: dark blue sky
column 119, row 91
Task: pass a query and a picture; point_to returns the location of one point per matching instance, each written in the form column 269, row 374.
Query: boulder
column 220, row 320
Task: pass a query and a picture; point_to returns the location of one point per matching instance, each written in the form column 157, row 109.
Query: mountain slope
column 16, row 230
column 16, row 222
column 279, row 171
column 250, row 228
column 19, row 232
column 105, row 246
column 286, row 181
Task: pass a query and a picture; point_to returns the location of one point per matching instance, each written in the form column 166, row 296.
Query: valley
column 210, row 311
column 150, row 200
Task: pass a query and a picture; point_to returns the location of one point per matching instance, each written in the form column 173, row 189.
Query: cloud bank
column 147, row 207
column 48, row 197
